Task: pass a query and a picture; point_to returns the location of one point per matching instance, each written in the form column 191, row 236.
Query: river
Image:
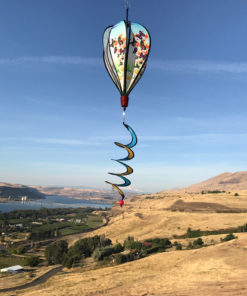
column 50, row 202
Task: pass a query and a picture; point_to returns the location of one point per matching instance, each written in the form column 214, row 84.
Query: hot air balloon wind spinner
column 126, row 48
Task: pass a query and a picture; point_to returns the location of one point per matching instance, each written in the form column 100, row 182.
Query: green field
column 10, row 261
column 92, row 221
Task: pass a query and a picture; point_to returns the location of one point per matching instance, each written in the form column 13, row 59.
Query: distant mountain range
column 19, row 192
column 223, row 182
column 80, row 193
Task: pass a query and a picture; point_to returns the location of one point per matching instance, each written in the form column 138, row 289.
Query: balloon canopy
column 126, row 48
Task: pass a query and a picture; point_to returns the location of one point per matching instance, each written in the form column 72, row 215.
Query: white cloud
column 54, row 141
column 200, row 66
column 62, row 60
column 99, row 141
column 58, row 141
column 198, row 137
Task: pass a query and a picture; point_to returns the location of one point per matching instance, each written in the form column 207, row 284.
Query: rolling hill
column 224, row 182
column 81, row 193
column 17, row 191
column 217, row 269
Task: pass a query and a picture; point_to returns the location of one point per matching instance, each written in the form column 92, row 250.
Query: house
column 60, row 219
column 19, row 225
column 37, row 223
column 13, row 269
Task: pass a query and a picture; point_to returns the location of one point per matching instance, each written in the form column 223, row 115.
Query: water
column 50, row 202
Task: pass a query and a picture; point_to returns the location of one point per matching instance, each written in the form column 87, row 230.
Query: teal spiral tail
column 129, row 169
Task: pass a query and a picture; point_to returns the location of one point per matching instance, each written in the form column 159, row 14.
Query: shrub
column 86, row 246
column 120, row 258
column 190, row 246
column 161, row 242
column 242, row 228
column 153, row 250
column 16, row 249
column 228, row 237
column 100, row 254
column 69, row 261
column 104, row 241
column 130, row 243
column 129, row 257
column 118, row 248
column 198, row 243
column 177, row 245
column 55, row 252
column 194, row 233
column 236, row 194
column 32, row 261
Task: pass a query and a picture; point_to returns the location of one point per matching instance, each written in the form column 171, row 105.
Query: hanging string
column 127, row 9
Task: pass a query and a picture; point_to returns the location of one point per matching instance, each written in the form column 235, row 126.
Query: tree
column 118, row 248
column 130, row 243
column 120, row 258
column 104, row 241
column 55, row 252
column 198, row 243
column 101, row 253
column 242, row 228
column 177, row 245
column 69, row 261
column 228, row 237
column 32, row 261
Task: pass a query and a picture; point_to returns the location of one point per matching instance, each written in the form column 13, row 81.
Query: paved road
column 50, row 273
column 37, row 281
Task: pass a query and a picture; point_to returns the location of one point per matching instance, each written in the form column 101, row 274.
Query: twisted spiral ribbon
column 129, row 169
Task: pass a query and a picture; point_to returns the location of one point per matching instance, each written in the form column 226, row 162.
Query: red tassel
column 124, row 101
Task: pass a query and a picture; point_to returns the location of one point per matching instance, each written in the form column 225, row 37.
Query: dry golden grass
column 214, row 270
column 226, row 181
column 8, row 280
column 148, row 218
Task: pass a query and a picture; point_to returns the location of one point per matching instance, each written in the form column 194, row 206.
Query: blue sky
column 60, row 112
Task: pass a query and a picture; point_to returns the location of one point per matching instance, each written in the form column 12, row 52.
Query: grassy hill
column 157, row 215
column 217, row 269
column 225, row 182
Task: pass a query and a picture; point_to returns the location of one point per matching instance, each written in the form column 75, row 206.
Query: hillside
column 218, row 269
column 226, row 181
column 168, row 214
column 81, row 193
column 17, row 191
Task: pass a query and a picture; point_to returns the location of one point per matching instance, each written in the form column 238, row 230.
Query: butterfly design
column 143, row 45
column 112, row 43
column 120, row 41
column 133, row 42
